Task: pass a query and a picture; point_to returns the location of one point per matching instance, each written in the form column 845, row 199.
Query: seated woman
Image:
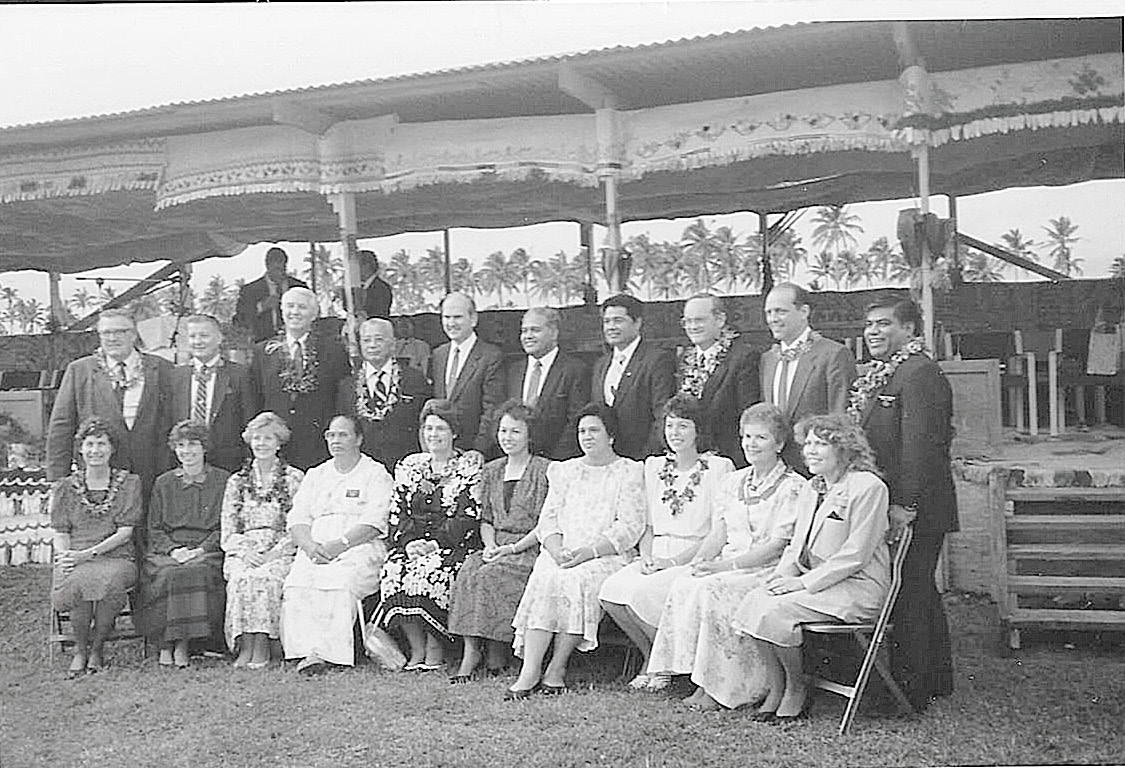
column 338, row 522
column 435, row 525
column 181, row 595
column 680, row 491
column 755, row 509
column 259, row 550
column 489, row 586
column 93, row 512
column 591, row 520
column 836, row 566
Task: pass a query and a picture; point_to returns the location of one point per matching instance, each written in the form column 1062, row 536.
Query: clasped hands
column 494, row 553
column 322, row 554
column 655, row 564
column 568, row 558
column 68, row 559
column 183, row 554
column 420, row 548
column 783, row 585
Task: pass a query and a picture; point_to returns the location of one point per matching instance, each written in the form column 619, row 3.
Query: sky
column 65, row 61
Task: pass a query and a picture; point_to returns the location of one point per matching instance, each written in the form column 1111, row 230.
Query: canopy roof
column 763, row 120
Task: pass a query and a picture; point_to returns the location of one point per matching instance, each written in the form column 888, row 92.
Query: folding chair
column 60, row 633
column 869, row 636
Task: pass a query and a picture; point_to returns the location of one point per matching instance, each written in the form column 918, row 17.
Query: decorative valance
column 82, row 171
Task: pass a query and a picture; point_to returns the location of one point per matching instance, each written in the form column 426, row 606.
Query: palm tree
column 558, row 279
column 836, row 229
column 519, row 264
column 1061, row 236
column 880, row 256
column 821, row 267
column 496, row 274
column 431, row 271
column 32, row 315
column 461, row 277
column 407, row 280
column 1117, row 268
column 10, row 295
column 729, row 257
column 981, row 268
column 212, row 300
column 81, row 300
column 1014, row 241
column 698, row 246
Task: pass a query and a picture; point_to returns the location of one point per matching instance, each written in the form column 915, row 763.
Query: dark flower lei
column 300, row 381
column 247, row 486
column 381, row 409
column 877, row 377
column 677, row 499
column 694, row 370
column 116, row 481
column 101, row 363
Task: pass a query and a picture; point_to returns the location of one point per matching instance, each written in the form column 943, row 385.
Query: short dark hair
column 801, row 297
column 718, row 306
column 444, row 410
column 601, row 411
column 683, row 405
column 276, row 254
column 187, row 431
column 904, row 310
column 516, row 409
column 633, row 306
column 200, row 317
column 370, row 257
column 94, row 427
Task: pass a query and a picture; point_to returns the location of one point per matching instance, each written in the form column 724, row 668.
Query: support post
column 344, row 205
column 58, row 319
column 448, row 262
column 1053, row 391
column 1032, row 395
column 586, row 245
column 923, row 155
column 312, row 266
column 766, row 266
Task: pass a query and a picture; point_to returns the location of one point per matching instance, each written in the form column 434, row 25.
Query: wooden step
column 1066, row 494
column 1066, row 551
column 1079, row 523
column 1051, row 585
column 1058, row 618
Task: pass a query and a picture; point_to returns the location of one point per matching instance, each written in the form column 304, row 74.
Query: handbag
column 382, row 648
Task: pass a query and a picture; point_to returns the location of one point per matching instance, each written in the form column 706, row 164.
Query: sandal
column 460, row 679
column 640, row 682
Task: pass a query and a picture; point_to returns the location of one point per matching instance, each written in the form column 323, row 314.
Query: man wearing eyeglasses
column 125, row 387
column 719, row 369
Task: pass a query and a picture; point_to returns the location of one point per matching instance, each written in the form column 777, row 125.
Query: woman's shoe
column 257, row 664
column 460, row 679
column 763, row 717
column 802, row 715
column 165, row 657
column 658, row 682
column 519, row 695
column 430, row 667
column 640, row 682
column 552, row 690
column 76, row 669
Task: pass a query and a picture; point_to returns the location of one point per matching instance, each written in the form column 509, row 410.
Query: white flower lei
column 113, row 372
column 877, row 377
column 300, row 381
column 695, row 368
column 381, row 409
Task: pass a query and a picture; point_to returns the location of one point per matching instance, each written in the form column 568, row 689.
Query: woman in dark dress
column 182, row 592
column 93, row 512
column 434, row 526
column 491, row 582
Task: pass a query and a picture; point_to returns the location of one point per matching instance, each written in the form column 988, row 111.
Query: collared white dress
column 320, row 602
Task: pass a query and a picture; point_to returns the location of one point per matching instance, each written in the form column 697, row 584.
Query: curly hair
column 187, row 431
column 841, row 433
column 685, row 406
column 517, row 410
column 94, row 427
column 772, row 417
column 267, row 421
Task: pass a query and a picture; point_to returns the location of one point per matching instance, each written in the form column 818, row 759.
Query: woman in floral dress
column 434, row 524
column 259, row 550
column 755, row 509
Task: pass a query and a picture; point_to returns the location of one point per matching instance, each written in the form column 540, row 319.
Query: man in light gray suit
column 803, row 374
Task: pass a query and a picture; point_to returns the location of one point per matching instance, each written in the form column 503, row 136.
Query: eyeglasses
column 329, row 435
column 693, row 322
column 114, row 331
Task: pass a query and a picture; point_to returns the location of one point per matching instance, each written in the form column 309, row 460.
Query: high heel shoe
column 520, row 694
column 803, row 714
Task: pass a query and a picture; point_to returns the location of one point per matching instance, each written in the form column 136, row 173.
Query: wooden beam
column 904, row 44
column 585, row 88
column 1012, row 258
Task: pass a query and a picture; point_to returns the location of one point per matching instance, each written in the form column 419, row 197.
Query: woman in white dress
column 338, row 522
column 590, row 523
column 754, row 515
column 680, row 492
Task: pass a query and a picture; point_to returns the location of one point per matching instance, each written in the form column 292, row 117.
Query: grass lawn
column 1046, row 704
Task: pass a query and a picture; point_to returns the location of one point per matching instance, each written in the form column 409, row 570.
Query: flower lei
column 667, row 474
column 363, row 410
column 754, row 489
column 299, row 381
column 459, row 474
column 877, row 376
column 246, row 485
column 796, row 351
column 694, row 368
column 113, row 372
column 116, row 481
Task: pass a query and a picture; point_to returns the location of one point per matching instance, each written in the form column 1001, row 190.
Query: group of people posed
column 315, row 504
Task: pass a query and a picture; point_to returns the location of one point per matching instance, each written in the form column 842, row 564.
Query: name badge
column 352, row 493
column 887, row 401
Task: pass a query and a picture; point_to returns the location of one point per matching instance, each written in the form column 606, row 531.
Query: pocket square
column 834, row 516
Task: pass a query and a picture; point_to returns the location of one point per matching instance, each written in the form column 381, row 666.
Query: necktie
column 533, row 383
column 380, row 388
column 121, row 377
column 199, row 410
column 451, row 371
column 783, row 386
column 299, row 356
column 613, row 379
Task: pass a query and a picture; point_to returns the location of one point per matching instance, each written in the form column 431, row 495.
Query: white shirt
column 196, row 365
column 791, row 371
column 546, row 361
column 371, row 375
column 464, row 348
column 616, row 369
column 131, row 397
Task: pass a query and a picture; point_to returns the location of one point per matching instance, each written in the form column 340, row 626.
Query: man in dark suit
column 469, row 373
column 375, row 293
column 259, row 302
column 635, row 379
column 215, row 392
column 803, row 374
column 907, row 412
column 384, row 395
column 556, row 385
column 126, row 388
column 719, row 369
column 296, row 375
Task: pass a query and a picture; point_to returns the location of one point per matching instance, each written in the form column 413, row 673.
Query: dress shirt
column 791, row 369
column 546, row 361
column 292, row 341
column 371, row 375
column 463, row 349
column 196, row 367
column 131, row 396
column 616, row 369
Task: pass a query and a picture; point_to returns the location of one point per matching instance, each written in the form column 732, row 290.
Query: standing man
column 215, row 392
column 469, row 373
column 259, row 303
column 296, row 374
column 128, row 389
column 384, row 396
column 556, row 385
column 374, row 294
column 905, row 405
column 720, row 370
column 636, row 378
column 803, row 374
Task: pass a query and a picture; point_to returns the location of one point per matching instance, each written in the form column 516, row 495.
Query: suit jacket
column 728, row 391
column 232, row 406
column 909, row 425
column 248, row 314
column 564, row 393
column 476, row 393
column 820, row 384
column 307, row 414
column 646, row 385
column 395, row 436
column 846, row 555
column 86, row 391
